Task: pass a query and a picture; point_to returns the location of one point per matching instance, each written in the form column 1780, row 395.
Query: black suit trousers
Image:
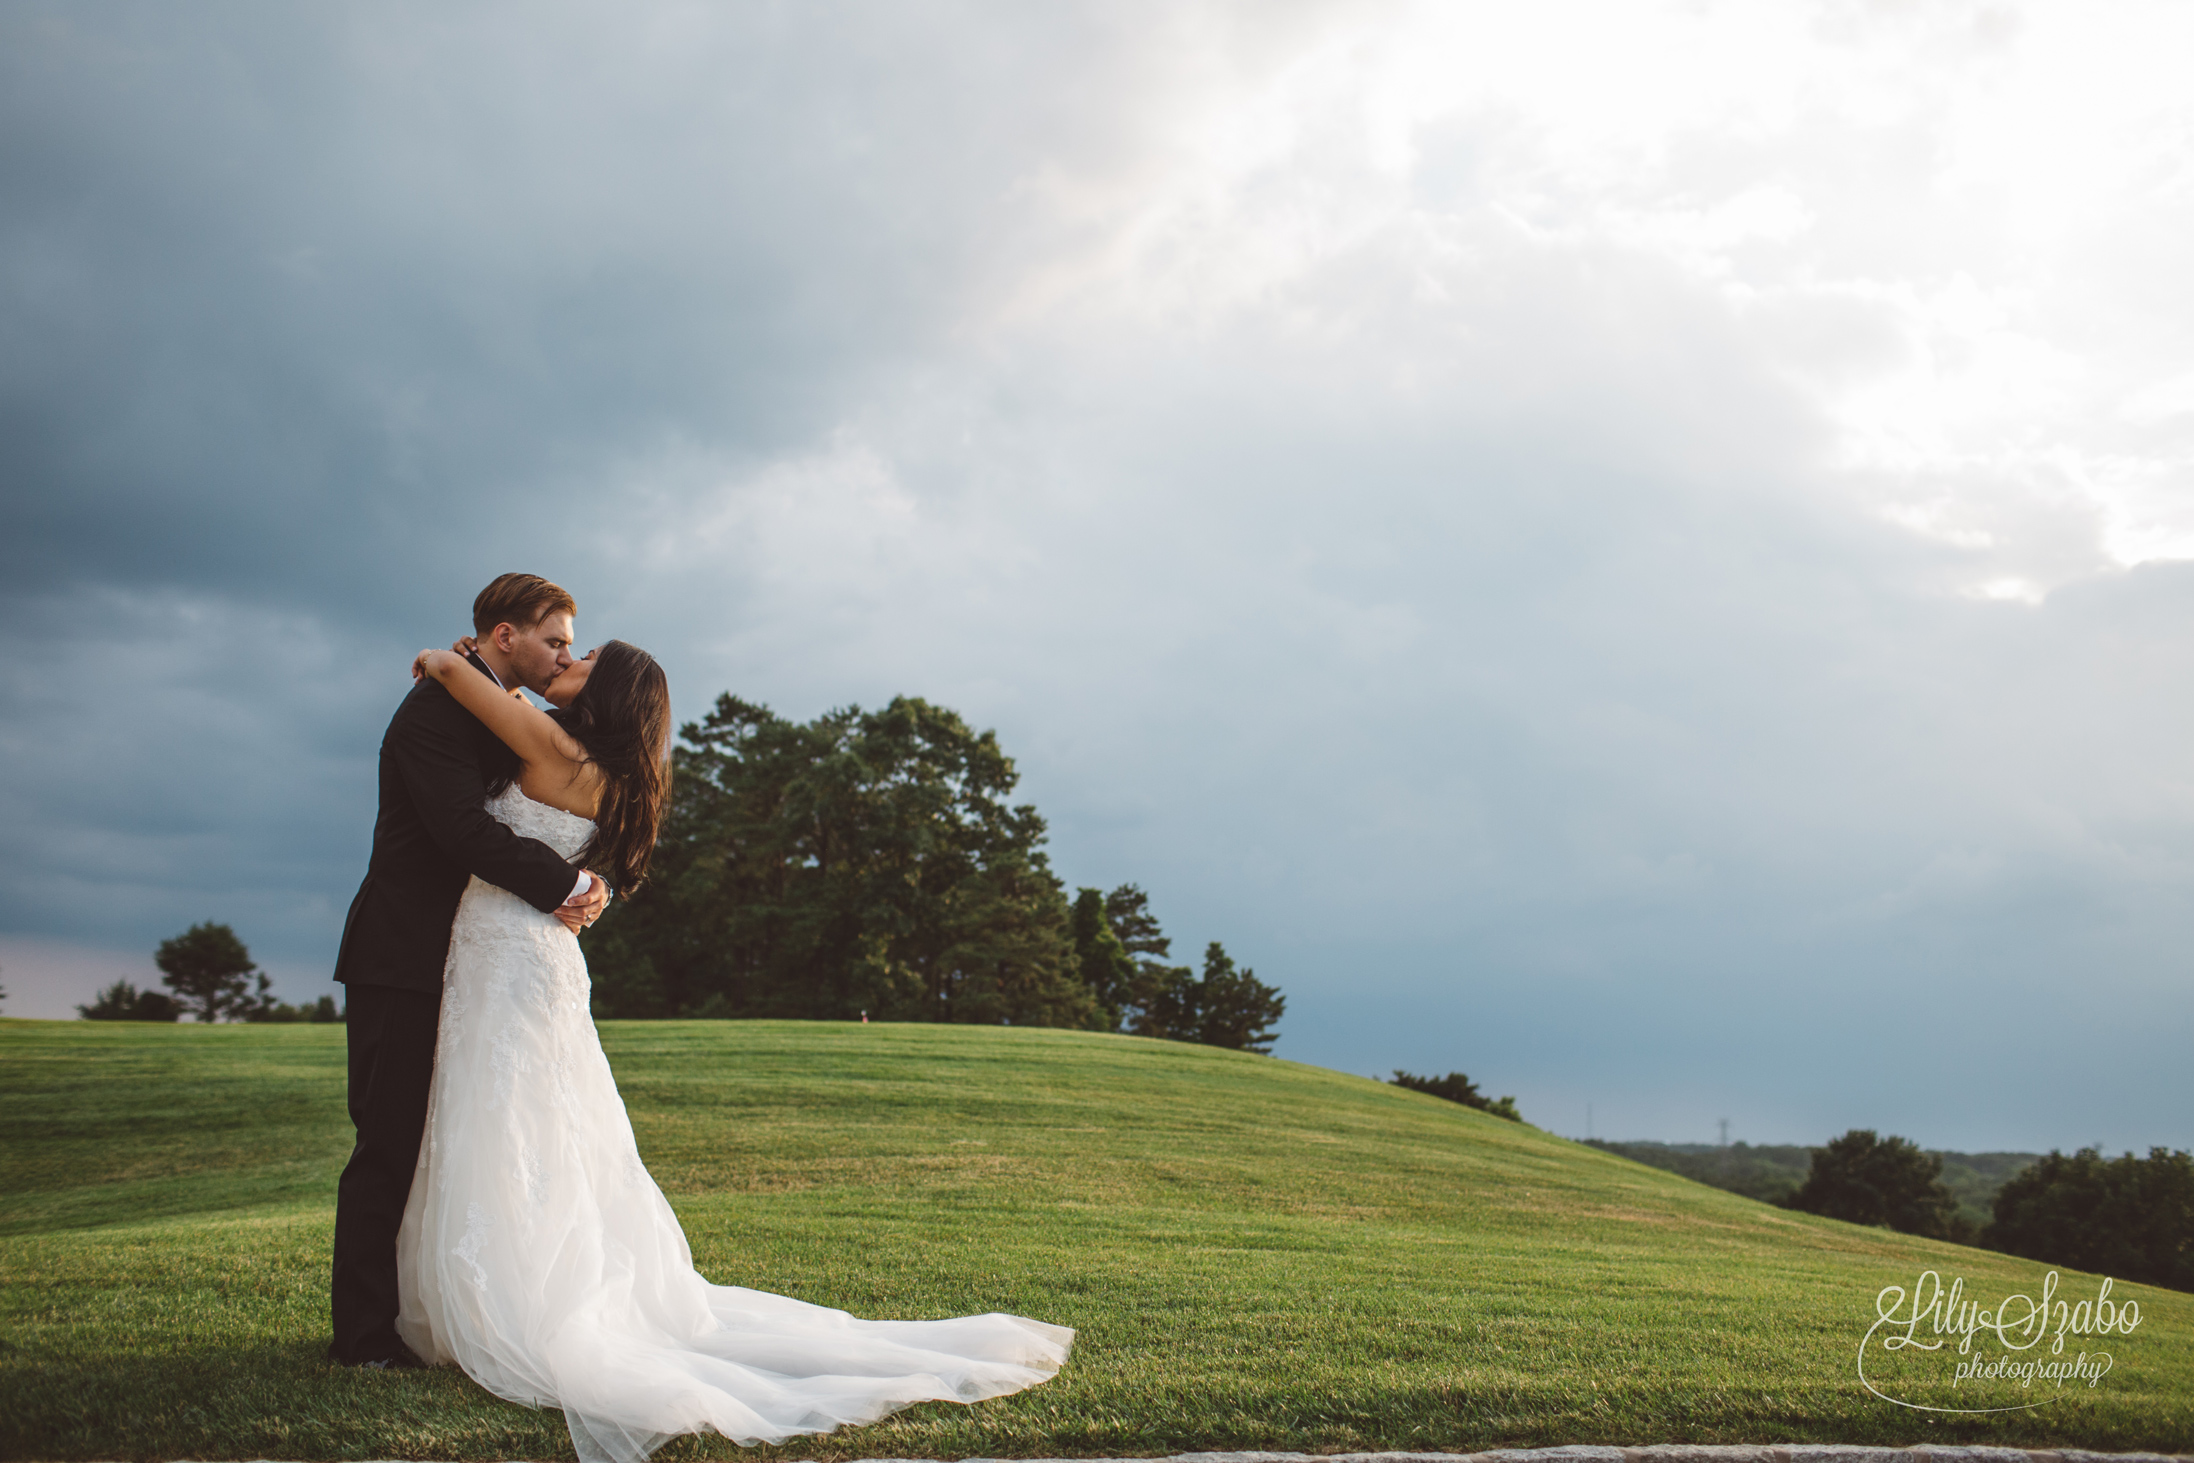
column 391, row 1034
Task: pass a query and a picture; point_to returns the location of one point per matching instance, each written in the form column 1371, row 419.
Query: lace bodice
column 508, row 962
column 567, row 833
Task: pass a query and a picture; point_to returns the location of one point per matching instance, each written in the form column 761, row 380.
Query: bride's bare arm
column 523, row 727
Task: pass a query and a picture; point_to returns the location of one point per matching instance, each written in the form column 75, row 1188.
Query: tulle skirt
column 538, row 1254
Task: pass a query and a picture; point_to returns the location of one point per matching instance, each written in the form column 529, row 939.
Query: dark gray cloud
column 286, row 289
column 1423, row 573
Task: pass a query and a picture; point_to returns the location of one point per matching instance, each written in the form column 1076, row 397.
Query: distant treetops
column 872, row 863
column 212, row 977
column 2125, row 1216
column 2128, row 1217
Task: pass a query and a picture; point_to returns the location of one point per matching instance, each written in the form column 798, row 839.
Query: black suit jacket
column 431, row 837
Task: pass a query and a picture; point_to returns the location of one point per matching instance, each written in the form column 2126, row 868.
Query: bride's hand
column 464, row 645
column 422, row 664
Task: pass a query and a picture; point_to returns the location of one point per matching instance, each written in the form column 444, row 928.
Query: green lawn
column 1257, row 1255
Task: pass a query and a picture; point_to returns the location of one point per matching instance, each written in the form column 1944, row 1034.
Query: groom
column 431, row 837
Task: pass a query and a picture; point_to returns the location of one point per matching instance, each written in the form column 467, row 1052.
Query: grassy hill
column 1257, row 1254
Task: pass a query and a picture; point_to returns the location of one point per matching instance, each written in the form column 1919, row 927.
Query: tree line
column 863, row 865
column 2129, row 1217
column 1772, row 1172
column 873, row 863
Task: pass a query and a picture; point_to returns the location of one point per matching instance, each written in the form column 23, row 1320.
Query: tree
column 124, row 1002
column 1455, row 1087
column 1121, row 950
column 261, row 1006
column 207, row 967
column 1227, row 1007
column 1234, row 1008
column 1886, row 1182
column 862, row 862
column 2129, row 1217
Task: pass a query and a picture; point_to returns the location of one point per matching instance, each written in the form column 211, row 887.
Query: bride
column 536, row 1252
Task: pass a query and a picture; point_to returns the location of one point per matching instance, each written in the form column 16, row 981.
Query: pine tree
column 1158, row 999
column 1234, row 1008
column 1104, row 963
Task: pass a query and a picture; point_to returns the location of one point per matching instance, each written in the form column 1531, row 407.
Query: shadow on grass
column 287, row 1401
column 273, row 1401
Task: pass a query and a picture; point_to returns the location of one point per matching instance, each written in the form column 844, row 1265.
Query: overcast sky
column 1639, row 552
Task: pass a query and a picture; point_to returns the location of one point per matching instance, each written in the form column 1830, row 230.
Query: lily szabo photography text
column 1095, row 731
column 1942, row 1323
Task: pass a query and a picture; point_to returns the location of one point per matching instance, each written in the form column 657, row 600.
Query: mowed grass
column 1257, row 1254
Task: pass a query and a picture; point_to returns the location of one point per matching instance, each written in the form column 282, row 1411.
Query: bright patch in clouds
column 1951, row 226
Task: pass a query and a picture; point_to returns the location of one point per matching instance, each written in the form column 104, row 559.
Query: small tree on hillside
column 1227, row 1007
column 1235, row 1008
column 1455, row 1087
column 208, row 968
column 1867, row 1179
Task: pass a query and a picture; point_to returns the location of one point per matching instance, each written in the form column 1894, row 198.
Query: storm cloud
column 1638, row 554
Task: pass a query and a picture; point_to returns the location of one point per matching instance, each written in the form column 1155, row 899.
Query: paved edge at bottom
column 1657, row 1453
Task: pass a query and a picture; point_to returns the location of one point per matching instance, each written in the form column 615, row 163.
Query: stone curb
column 1656, row 1453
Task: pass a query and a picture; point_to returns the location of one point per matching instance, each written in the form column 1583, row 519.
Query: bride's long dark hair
column 622, row 717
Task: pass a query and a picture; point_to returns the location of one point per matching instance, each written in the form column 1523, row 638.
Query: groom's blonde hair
column 523, row 600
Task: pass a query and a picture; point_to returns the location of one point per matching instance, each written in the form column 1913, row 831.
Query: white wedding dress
column 538, row 1255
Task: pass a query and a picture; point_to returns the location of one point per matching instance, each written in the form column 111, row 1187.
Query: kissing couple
column 495, row 1212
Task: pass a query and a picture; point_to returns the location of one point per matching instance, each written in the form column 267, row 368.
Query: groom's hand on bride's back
column 582, row 910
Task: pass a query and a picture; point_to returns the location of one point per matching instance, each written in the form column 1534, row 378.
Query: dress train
column 538, row 1254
